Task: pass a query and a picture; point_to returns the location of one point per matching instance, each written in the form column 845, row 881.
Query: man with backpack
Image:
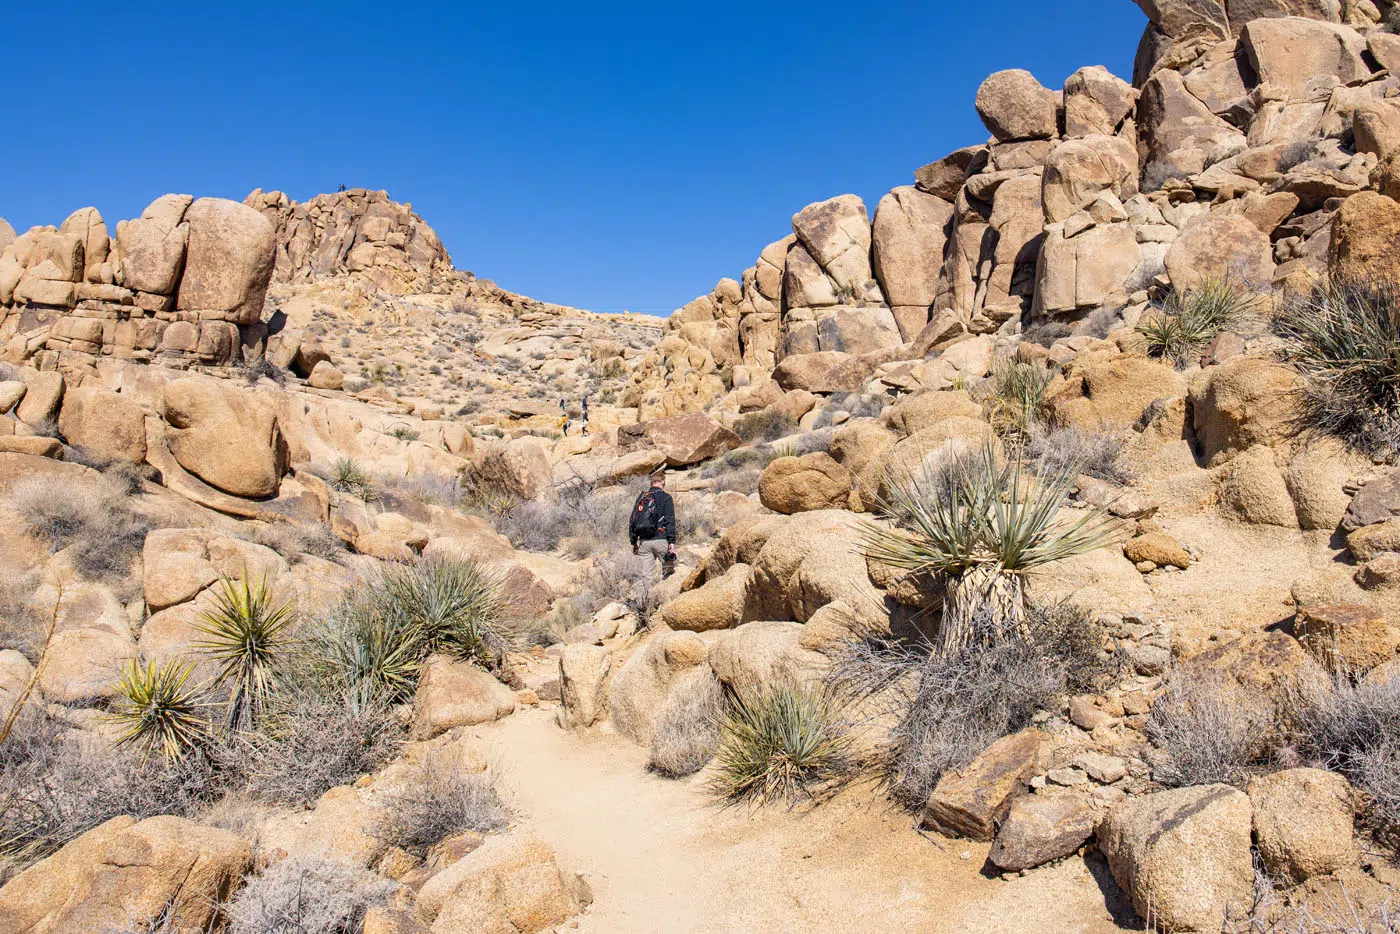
column 652, row 527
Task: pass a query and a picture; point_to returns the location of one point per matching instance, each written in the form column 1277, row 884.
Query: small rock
column 1147, row 660
column 1067, row 777
column 1085, row 715
column 1101, row 768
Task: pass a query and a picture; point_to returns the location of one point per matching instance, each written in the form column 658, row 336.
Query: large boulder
column 815, row 559
column 1101, row 389
column 1015, row 106
column 229, row 263
column 110, row 426
column 151, row 248
column 129, row 872
column 519, row 468
column 946, row 177
column 1303, row 56
column 43, row 394
column 1366, row 238
column 823, row 372
column 225, row 436
column 639, row 688
column 863, row 448
column 1221, row 248
column 1302, row 823
column 82, row 666
column 754, row 657
column 1096, row 102
column 716, row 604
column 836, row 233
column 1178, row 136
column 88, row 226
column 583, row 674
column 921, row 411
column 801, row 484
column 509, row 885
column 972, row 800
column 683, row 439
column 1347, row 639
column 452, row 694
column 1078, row 170
column 910, row 231
column 1183, row 856
column 1244, row 402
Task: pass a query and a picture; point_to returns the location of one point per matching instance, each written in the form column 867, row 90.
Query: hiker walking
column 652, row 527
column 585, row 415
column 563, row 418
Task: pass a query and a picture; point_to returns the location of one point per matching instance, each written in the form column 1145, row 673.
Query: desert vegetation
column 785, row 745
column 1187, row 320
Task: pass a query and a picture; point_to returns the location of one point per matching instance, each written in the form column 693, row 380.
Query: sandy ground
column 662, row 856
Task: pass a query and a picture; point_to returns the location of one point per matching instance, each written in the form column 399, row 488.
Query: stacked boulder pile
column 1247, row 129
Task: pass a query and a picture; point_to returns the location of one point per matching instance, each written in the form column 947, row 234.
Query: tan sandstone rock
column 225, row 437
column 1302, row 823
column 800, row 484
column 452, row 694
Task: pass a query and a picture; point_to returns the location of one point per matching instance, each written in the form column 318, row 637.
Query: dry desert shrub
column 1050, row 450
column 292, row 541
column 1181, row 327
column 687, row 730
column 95, row 520
column 435, row 800
column 1355, row 729
column 1206, row 733
column 622, row 578
column 307, row 896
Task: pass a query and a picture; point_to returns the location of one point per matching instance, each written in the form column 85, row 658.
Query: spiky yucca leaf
column 454, row 604
column 158, row 709
column 1017, row 390
column 783, row 745
column 246, row 632
column 348, row 476
column 366, row 651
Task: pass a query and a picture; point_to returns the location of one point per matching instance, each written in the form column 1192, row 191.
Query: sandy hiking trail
column 661, row 856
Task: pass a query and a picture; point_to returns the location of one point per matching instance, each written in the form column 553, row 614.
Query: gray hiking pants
column 651, row 552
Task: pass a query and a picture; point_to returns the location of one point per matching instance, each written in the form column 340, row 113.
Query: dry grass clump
column 622, row 578
column 948, row 708
column 1096, row 454
column 785, row 745
column 292, row 541
column 1179, row 329
column 765, row 425
column 21, row 627
column 1344, row 338
column 1355, row 729
column 1206, row 733
column 686, row 734
column 307, row 896
column 1014, row 395
column 434, row 801
column 55, row 786
column 94, row 520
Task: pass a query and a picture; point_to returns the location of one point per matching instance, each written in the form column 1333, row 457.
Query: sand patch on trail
column 661, row 856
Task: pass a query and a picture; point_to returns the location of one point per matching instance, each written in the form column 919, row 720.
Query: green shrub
column 1344, row 338
column 1181, row 327
column 348, row 476
column 1014, row 395
column 977, row 527
column 404, row 433
column 783, row 745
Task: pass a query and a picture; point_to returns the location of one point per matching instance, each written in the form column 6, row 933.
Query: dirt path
column 662, row 857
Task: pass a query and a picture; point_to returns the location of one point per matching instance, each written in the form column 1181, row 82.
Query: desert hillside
column 1034, row 567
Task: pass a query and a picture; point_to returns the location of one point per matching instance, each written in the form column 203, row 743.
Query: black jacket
column 666, row 515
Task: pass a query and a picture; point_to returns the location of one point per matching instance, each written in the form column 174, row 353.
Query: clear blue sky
column 606, row 155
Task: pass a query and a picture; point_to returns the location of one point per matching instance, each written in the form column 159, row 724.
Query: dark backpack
column 645, row 517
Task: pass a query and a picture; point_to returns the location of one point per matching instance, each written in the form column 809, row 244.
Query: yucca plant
column 978, row 526
column 1344, row 337
column 1181, row 327
column 247, row 632
column 1014, row 397
column 348, row 476
column 159, row 709
column 366, row 651
column 453, row 604
column 785, row 744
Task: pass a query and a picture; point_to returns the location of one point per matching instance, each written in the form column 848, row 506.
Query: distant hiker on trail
column 563, row 418
column 652, row 528
column 585, row 415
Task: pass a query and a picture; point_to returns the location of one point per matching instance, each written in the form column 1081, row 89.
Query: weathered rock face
column 717, row 604
column 1303, row 823
column 639, row 689
column 224, row 437
column 1245, row 402
column 822, row 372
column 1365, row 234
column 909, row 235
column 1178, row 135
column 358, row 231
column 1096, row 102
column 836, row 233
column 800, row 484
column 1183, row 856
column 229, row 261
column 129, row 871
column 1302, row 56
column 682, row 439
column 110, row 426
column 151, row 249
column 1039, row 828
column 1015, row 106
column 1221, row 248
column 971, row 801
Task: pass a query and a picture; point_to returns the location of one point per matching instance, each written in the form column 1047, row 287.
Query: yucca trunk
column 985, row 604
